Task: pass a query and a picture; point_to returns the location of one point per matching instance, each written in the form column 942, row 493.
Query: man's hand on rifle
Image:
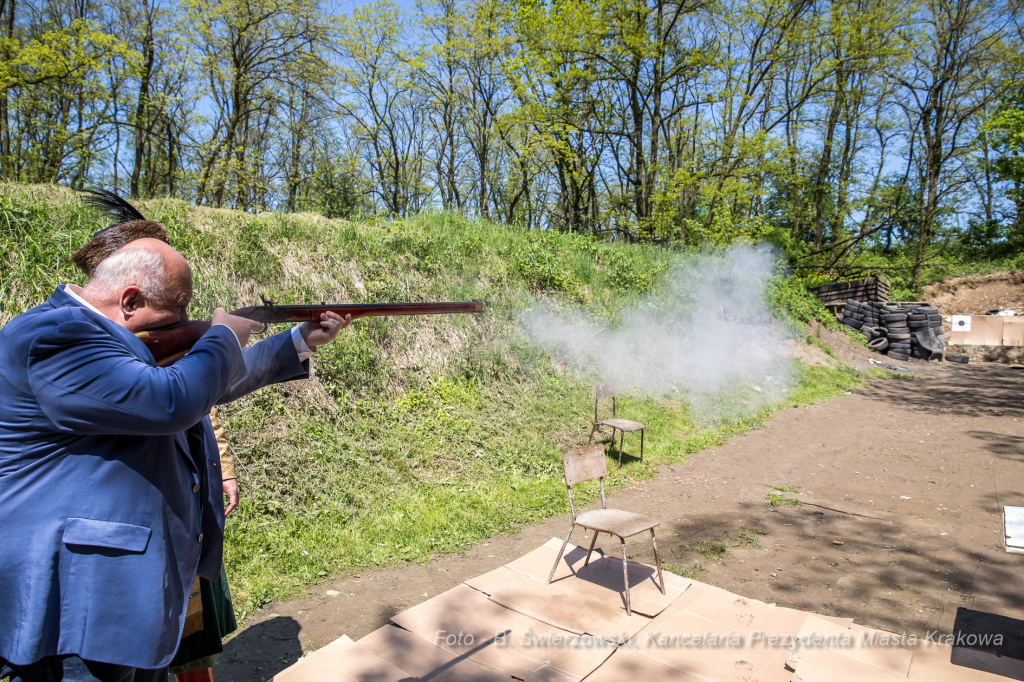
column 326, row 330
column 239, row 325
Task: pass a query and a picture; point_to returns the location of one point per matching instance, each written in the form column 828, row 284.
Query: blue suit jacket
column 110, row 495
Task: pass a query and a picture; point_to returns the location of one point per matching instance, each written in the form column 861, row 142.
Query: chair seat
column 623, row 424
column 616, row 522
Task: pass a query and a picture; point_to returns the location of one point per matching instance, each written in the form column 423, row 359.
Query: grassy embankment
column 416, row 436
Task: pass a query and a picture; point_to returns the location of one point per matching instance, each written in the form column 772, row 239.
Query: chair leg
column 622, row 440
column 561, row 551
column 657, row 562
column 593, row 542
column 641, row 446
column 625, row 575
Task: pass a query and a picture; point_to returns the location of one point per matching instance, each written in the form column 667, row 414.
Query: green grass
column 785, row 488
column 712, row 550
column 813, row 341
column 416, row 436
column 748, row 539
column 776, row 500
column 693, row 572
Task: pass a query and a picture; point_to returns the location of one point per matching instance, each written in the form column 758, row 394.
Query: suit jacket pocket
column 110, row 534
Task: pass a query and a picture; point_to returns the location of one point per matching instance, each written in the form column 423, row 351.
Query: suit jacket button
column 200, row 538
column 195, row 488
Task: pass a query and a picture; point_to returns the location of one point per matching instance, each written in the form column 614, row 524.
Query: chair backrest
column 605, row 391
column 584, row 464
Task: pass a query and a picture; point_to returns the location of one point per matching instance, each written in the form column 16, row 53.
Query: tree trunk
column 142, row 126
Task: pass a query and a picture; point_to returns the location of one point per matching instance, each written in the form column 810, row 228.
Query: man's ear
column 132, row 300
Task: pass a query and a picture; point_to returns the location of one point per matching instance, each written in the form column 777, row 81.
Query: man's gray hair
column 139, row 266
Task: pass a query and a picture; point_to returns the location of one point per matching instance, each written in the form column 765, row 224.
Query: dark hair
column 131, row 225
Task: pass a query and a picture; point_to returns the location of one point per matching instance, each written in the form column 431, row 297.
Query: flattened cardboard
column 526, row 645
column 601, row 579
column 629, row 664
column 311, row 669
column 863, row 645
column 826, row 665
column 496, row 579
column 342, row 664
column 741, row 613
column 710, row 650
column 1013, row 331
column 421, row 658
column 569, row 610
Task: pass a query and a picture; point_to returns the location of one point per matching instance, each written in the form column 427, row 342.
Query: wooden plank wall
column 863, row 290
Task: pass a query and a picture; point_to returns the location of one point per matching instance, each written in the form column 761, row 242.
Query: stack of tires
column 860, row 316
column 902, row 332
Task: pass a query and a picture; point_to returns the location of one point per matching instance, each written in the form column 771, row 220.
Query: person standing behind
column 198, row 652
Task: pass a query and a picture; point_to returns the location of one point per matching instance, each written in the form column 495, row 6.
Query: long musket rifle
column 170, row 343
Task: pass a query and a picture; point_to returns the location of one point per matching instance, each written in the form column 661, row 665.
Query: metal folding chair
column 623, row 425
column 586, row 464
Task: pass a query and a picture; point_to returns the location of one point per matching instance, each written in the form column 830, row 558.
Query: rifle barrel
column 272, row 314
column 170, row 343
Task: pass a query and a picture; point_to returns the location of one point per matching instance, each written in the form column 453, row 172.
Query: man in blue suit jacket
column 106, row 506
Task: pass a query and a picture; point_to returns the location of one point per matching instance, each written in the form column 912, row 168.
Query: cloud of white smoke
column 707, row 333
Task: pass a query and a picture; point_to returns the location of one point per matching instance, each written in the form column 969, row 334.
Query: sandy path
column 918, row 471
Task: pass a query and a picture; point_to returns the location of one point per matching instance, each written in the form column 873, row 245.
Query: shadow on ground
column 260, row 651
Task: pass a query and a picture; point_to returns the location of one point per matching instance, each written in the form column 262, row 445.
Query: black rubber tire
column 876, row 332
column 935, row 324
column 875, row 304
column 855, row 304
column 898, row 356
column 934, row 316
column 879, row 344
column 894, row 317
column 898, row 343
column 901, row 328
column 850, row 322
column 918, row 324
column 898, row 337
column 928, row 310
column 961, row 359
column 895, row 348
column 917, row 317
column 911, row 306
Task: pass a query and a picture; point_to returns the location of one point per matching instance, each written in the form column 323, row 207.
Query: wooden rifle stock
column 170, row 343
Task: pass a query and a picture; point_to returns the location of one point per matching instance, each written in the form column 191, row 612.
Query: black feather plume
column 112, row 205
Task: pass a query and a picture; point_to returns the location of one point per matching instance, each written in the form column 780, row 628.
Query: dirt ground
column 910, row 476
column 976, row 295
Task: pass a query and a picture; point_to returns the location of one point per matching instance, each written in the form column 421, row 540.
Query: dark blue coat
column 110, row 495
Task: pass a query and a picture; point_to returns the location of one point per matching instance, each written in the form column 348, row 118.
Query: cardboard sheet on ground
column 718, row 635
column 423, row 659
column 706, row 634
column 629, row 664
column 602, row 578
column 345, row 663
column 868, row 646
column 512, row 641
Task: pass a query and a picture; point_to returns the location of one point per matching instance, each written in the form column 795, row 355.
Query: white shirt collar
column 71, row 292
